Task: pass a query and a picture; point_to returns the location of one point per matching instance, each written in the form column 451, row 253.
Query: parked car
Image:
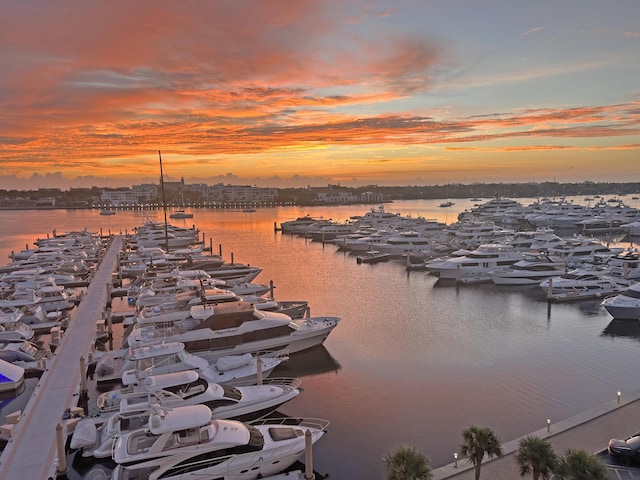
column 627, row 450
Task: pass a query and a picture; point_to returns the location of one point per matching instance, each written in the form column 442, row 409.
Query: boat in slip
column 373, row 256
column 129, row 408
column 186, row 441
column 233, row 328
column 625, row 305
column 128, row 365
column 476, row 264
column 583, row 283
column 531, row 270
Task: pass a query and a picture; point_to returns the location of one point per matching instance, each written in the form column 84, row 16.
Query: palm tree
column 407, row 463
column 580, row 465
column 535, row 456
column 478, row 442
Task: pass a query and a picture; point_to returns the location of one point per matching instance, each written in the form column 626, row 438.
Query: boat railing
column 308, row 422
column 271, row 381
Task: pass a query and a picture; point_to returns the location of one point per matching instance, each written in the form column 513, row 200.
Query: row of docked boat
column 612, row 216
column 475, row 249
column 196, row 394
column 38, row 290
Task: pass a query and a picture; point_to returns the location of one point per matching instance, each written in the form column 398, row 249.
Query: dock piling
column 62, row 458
column 308, row 456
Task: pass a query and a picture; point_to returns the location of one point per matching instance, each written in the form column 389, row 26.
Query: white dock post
column 308, row 456
column 62, row 459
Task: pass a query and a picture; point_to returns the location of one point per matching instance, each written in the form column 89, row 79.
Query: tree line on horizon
column 79, row 197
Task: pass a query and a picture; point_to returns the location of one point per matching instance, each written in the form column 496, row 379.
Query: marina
column 399, row 329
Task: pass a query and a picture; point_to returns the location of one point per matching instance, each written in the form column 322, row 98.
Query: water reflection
column 314, row 361
column 622, row 328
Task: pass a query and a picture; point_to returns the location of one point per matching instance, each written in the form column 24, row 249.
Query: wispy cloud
column 532, row 30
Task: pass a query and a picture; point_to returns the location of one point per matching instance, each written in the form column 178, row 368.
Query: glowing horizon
column 314, row 92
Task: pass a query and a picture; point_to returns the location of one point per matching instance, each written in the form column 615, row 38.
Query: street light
column 548, row 425
column 455, row 460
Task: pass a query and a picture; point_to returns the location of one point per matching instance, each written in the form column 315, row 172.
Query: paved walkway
column 31, row 452
column 589, row 431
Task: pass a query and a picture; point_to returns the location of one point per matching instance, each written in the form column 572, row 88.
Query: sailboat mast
column 164, row 204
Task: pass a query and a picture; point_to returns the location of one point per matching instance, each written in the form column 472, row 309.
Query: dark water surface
column 412, row 361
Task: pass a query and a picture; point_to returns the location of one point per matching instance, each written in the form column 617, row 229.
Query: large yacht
column 583, row 283
column 624, row 305
column 531, row 270
column 129, row 408
column 186, row 441
column 476, row 265
column 234, row 328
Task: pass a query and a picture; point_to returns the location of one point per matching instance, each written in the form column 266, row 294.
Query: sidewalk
column 590, row 431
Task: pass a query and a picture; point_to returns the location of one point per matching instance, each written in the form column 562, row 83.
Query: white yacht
column 368, row 242
column 129, row 364
column 473, row 233
column 579, row 250
column 235, row 328
column 24, row 353
column 624, row 305
column 186, row 441
column 12, row 327
column 583, row 283
column 631, row 228
column 404, row 242
column 540, row 239
column 129, row 408
column 300, row 224
column 476, row 265
column 531, row 270
column 625, row 264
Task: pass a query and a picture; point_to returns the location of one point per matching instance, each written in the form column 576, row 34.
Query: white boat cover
column 84, row 435
column 231, row 362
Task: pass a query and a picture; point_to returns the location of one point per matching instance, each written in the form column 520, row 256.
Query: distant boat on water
column 181, row 214
column 107, row 212
column 447, row 204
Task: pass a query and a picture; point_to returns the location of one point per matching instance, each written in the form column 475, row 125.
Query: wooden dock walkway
column 31, row 452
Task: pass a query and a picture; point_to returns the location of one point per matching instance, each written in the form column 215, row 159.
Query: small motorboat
column 373, row 256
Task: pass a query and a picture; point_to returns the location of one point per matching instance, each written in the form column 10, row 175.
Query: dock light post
column 619, row 393
column 455, row 460
column 548, row 425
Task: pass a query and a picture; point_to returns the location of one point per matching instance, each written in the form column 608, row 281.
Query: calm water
column 412, row 361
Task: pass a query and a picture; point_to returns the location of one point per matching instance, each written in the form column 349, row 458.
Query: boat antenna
column 164, row 204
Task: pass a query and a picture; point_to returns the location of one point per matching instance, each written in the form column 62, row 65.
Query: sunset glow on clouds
column 290, row 93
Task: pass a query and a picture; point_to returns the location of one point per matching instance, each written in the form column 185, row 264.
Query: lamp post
column 455, row 460
column 619, row 393
column 548, row 425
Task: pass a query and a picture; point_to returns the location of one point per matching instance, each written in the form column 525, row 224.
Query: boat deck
column 31, row 451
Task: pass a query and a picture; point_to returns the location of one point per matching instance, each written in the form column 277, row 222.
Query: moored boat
column 625, row 305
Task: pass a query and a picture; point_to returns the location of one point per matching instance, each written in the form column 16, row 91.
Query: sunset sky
column 296, row 93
